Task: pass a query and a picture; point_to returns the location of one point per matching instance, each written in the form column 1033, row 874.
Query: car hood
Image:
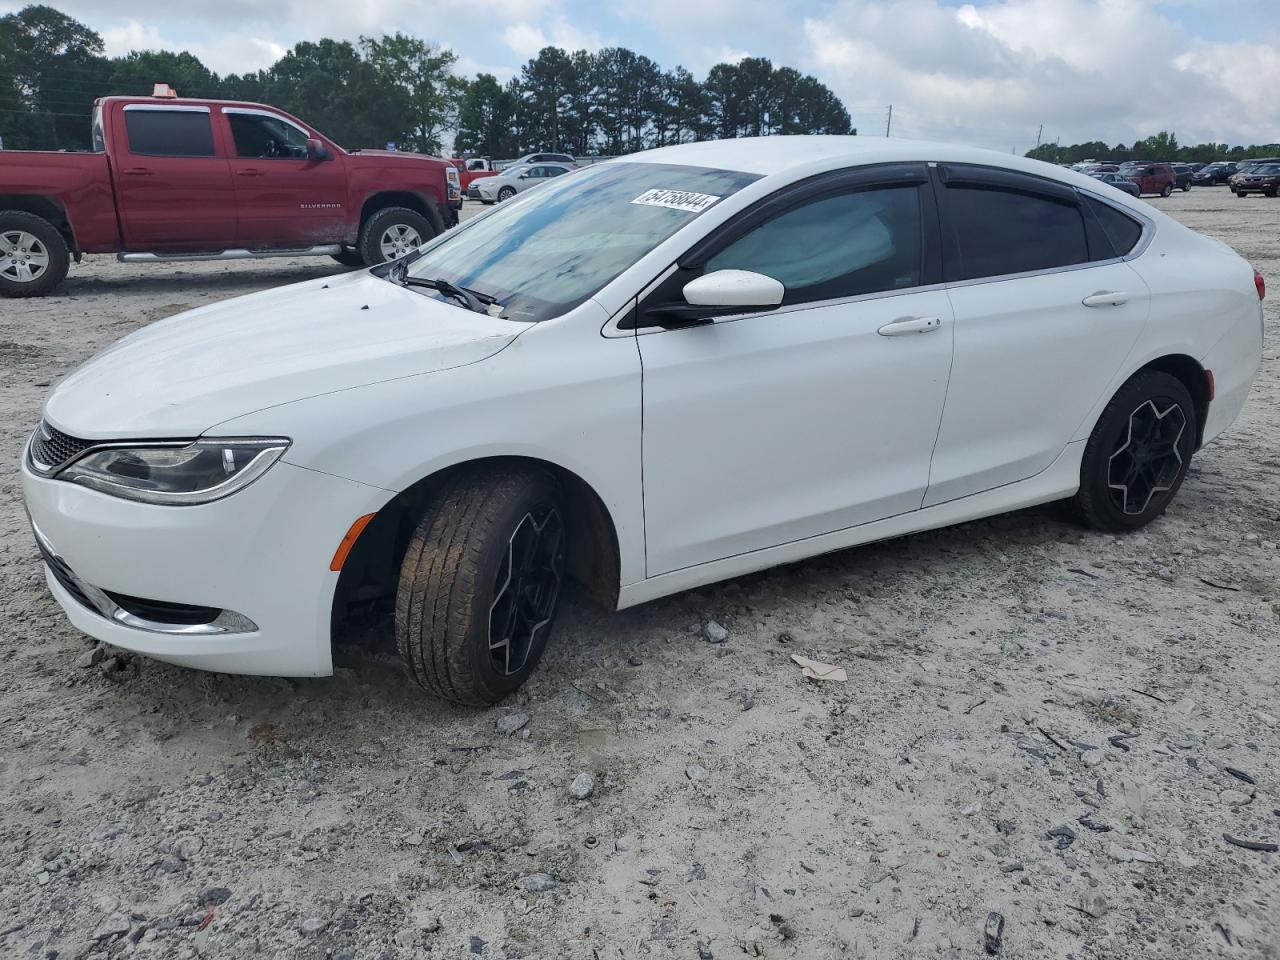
column 181, row 376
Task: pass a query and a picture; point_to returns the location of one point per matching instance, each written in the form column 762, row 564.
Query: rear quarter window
column 1121, row 230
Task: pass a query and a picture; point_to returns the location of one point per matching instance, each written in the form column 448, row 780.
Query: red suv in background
column 1150, row 177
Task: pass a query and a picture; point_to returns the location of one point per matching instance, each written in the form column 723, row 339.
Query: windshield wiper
column 471, row 299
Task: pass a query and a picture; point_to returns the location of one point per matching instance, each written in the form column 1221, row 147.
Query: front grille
column 51, row 448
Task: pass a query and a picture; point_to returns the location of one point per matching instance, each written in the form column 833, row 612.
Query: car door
column 284, row 199
column 1045, row 314
column 535, row 175
column 173, row 190
column 771, row 427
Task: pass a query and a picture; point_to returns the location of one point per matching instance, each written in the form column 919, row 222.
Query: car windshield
column 544, row 254
column 1267, row 169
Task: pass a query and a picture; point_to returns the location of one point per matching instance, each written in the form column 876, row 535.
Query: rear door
column 284, row 200
column 173, row 189
column 1046, row 312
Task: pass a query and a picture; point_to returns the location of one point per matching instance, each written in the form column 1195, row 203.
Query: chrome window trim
column 168, row 107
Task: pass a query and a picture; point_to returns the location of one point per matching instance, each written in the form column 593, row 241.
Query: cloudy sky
column 986, row 73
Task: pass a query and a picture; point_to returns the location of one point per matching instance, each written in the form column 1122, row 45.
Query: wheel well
column 372, row 568
column 1193, row 377
column 45, row 207
column 415, row 202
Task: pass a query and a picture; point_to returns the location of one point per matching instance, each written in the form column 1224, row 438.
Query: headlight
column 192, row 473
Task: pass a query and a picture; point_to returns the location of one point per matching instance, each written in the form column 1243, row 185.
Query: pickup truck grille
column 51, row 448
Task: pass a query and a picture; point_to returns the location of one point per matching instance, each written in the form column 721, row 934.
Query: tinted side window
column 999, row 232
column 169, row 133
column 866, row 241
column 266, row 138
column 1120, row 229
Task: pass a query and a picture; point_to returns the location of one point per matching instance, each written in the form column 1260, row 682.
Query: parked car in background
column 1245, row 167
column 1263, row 178
column 516, row 179
column 466, row 434
column 1092, row 168
column 1121, row 183
column 191, row 179
column 1150, row 177
column 1213, row 174
column 561, row 158
column 1182, row 173
column 476, row 168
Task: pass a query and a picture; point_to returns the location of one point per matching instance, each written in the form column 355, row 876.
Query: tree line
column 402, row 90
column 1163, row 146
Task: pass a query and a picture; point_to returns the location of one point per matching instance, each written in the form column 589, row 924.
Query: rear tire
column 33, row 255
column 480, row 584
column 1167, row 190
column 392, row 233
column 1138, row 453
column 1186, row 188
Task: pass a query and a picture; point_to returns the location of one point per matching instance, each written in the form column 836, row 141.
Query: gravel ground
column 1040, row 722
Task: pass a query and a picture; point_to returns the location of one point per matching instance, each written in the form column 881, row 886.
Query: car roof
column 804, row 154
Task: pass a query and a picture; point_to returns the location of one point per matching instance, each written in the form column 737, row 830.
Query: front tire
column 506, row 193
column 33, row 255
column 391, row 234
column 1138, row 454
column 480, row 584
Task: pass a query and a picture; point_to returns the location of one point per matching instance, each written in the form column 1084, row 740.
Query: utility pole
column 889, row 122
column 1039, row 134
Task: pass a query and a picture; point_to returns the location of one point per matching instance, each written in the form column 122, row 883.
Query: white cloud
column 525, row 39
column 991, row 74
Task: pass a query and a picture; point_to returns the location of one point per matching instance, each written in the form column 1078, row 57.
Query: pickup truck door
column 283, row 199
column 173, row 191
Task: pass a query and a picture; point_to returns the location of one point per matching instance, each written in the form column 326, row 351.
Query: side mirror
column 741, row 289
column 523, row 176
column 316, row 150
column 719, row 294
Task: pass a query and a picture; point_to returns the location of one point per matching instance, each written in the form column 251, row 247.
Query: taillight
column 1260, row 284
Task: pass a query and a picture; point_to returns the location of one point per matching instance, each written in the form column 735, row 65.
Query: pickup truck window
column 169, row 131
column 261, row 137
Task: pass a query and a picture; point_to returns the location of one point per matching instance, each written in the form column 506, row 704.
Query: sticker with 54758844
column 676, row 199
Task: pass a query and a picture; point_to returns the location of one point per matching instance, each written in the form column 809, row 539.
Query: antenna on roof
column 164, row 92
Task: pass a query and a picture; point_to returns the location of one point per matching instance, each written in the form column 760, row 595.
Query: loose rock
column 509, row 724
column 582, row 787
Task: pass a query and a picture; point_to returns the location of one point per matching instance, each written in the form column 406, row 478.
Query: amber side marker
column 349, row 541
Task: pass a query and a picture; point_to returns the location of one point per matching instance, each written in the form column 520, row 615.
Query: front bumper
column 260, row 555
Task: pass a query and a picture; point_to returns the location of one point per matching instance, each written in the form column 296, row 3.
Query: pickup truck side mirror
column 316, row 150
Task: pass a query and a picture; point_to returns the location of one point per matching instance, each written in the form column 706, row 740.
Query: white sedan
column 660, row 372
column 516, row 179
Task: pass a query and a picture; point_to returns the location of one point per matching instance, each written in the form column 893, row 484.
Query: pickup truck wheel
column 392, row 233
column 33, row 255
column 480, row 584
column 349, row 258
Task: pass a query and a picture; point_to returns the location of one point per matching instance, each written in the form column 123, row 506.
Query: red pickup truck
column 182, row 179
column 477, row 168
